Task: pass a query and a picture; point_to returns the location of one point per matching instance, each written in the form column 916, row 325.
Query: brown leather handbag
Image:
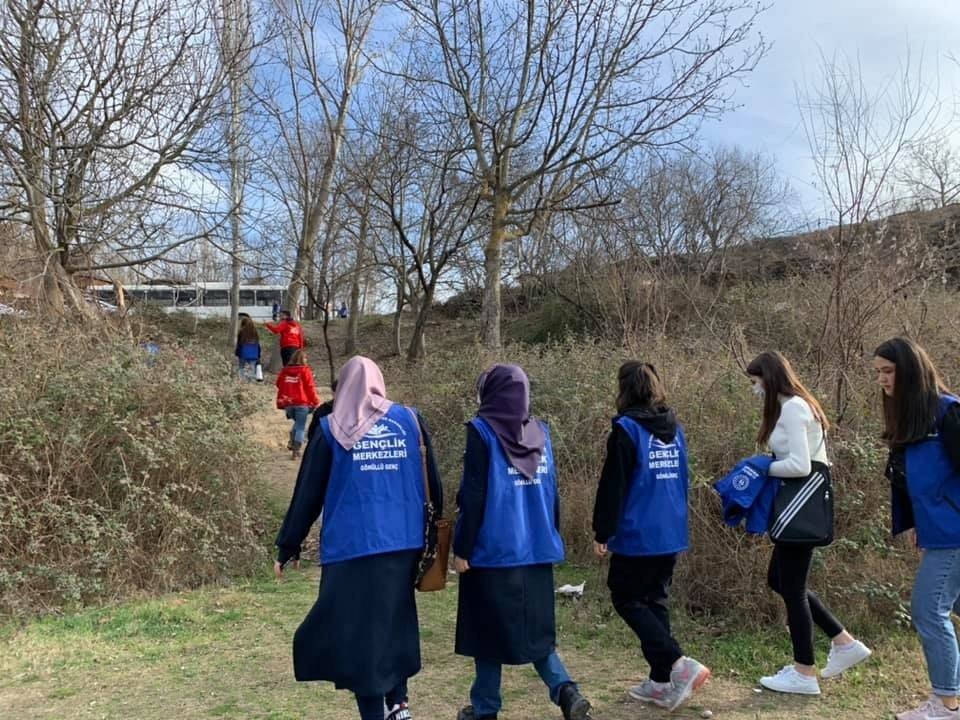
column 432, row 570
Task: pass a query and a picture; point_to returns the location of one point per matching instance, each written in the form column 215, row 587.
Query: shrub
column 863, row 573
column 120, row 470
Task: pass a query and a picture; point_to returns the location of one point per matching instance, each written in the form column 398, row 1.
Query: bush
column 863, row 574
column 119, row 470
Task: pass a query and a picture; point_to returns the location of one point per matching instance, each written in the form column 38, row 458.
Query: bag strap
column 423, row 455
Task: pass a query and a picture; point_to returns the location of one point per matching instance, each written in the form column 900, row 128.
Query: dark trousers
column 286, row 353
column 639, row 588
column 371, row 707
column 787, row 576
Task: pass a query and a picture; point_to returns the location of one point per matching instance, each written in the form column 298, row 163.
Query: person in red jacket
column 291, row 335
column 297, row 397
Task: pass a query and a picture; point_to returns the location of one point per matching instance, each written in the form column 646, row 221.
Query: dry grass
column 225, row 653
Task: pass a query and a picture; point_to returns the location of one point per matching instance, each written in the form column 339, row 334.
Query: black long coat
column 504, row 615
column 362, row 633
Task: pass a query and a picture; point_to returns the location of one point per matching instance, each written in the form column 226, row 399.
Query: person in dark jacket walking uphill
column 640, row 518
column 922, row 429
column 506, row 541
column 363, row 471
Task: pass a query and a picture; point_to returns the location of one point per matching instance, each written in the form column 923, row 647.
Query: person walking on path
column 794, row 427
column 640, row 518
column 363, row 471
column 297, row 397
column 248, row 349
column 291, row 335
column 922, row 430
column 506, row 541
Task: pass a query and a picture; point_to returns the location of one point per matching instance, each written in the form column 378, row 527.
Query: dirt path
column 269, row 429
column 224, row 652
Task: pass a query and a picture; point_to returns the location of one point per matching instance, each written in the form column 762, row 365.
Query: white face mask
column 757, row 389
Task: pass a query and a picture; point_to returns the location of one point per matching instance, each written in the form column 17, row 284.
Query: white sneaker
column 844, row 657
column 932, row 709
column 788, row 680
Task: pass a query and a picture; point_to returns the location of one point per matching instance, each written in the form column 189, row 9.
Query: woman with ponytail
column 640, row 518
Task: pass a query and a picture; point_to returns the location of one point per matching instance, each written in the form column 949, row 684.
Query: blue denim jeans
column 485, row 693
column 248, row 370
column 371, row 707
column 936, row 591
column 299, row 415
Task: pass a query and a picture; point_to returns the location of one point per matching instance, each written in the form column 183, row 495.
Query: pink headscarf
column 361, row 401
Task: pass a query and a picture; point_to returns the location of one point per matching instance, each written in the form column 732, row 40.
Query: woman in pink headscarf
column 363, row 470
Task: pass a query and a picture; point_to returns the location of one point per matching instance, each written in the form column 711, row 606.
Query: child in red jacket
column 291, row 335
column 297, row 396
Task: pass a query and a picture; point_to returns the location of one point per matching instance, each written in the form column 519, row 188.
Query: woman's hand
column 278, row 568
column 600, row 549
column 460, row 565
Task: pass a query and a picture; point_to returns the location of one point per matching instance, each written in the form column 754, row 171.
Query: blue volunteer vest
column 249, row 352
column 654, row 518
column 518, row 518
column 934, row 487
column 375, row 498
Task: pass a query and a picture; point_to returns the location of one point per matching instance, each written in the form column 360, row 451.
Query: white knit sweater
column 796, row 440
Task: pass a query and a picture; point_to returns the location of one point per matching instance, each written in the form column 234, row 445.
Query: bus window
column 186, row 297
column 107, row 296
column 247, row 297
column 216, row 298
column 160, row 297
column 266, row 298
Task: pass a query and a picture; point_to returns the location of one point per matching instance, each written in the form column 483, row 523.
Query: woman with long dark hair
column 922, row 430
column 363, row 471
column 794, row 427
column 248, row 349
column 640, row 518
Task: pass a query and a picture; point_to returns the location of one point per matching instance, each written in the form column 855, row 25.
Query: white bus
column 204, row 299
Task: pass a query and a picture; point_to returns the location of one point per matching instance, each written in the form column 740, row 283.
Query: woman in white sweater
column 794, row 427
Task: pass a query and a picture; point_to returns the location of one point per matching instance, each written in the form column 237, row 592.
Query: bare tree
column 103, row 105
column 237, row 40
column 858, row 136
column 552, row 92
column 931, row 173
column 323, row 71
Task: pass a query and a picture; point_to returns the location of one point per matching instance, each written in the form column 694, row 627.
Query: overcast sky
column 879, row 32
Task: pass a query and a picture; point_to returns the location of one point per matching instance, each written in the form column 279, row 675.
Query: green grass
column 225, row 653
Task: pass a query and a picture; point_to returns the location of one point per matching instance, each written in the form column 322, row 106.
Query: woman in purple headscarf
column 505, row 544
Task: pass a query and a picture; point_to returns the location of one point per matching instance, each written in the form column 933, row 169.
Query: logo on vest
column 382, row 442
column 664, row 459
column 743, row 479
column 521, row 481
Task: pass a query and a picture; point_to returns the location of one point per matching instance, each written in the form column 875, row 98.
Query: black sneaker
column 573, row 704
column 467, row 714
column 399, row 712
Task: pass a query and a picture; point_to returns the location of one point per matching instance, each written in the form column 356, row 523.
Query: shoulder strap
column 423, row 455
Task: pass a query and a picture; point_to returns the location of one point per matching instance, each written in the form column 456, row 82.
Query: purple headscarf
column 504, row 393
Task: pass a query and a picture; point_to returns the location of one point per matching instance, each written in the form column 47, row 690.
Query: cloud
column 882, row 34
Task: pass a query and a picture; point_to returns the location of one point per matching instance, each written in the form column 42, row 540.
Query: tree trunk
column 353, row 319
column 310, row 312
column 492, row 261
column 396, row 320
column 418, row 348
